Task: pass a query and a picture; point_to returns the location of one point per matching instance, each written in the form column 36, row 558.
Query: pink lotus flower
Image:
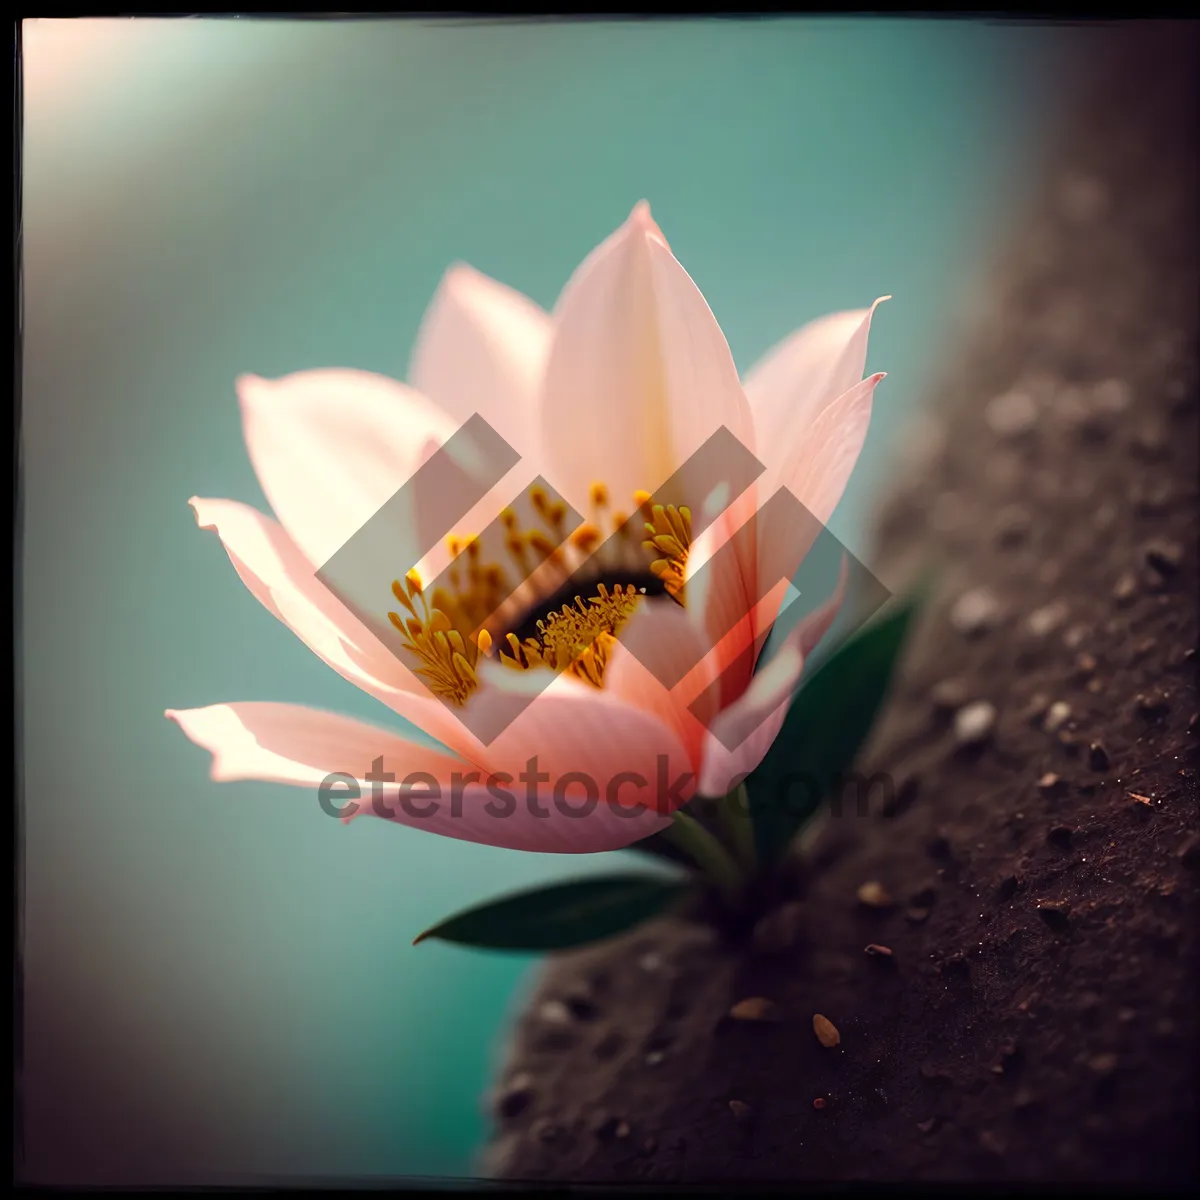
column 605, row 398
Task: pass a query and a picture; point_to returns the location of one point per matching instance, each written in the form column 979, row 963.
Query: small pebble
column 826, row 1031
column 755, row 1008
column 1048, row 618
column 975, row 612
column 1011, row 414
column 1050, row 783
column 973, row 724
column 1057, row 715
column 555, row 1012
column 819, row 1102
column 1125, row 588
column 874, row 895
column 948, row 695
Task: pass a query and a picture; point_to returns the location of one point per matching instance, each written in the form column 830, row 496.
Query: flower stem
column 706, row 852
column 734, row 811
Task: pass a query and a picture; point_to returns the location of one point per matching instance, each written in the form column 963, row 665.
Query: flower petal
column 571, row 729
column 639, row 373
column 285, row 743
column 331, row 446
column 790, row 385
column 743, row 733
column 816, row 475
column 281, row 578
column 482, row 348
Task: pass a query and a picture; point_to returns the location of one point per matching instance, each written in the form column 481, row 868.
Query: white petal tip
column 641, row 220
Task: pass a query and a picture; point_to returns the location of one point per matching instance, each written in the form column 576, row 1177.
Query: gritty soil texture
column 1035, row 1019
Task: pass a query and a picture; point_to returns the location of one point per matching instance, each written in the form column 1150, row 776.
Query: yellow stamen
column 449, row 632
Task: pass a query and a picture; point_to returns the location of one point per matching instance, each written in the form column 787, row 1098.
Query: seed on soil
column 975, row 612
column 974, row 723
column 1098, row 757
column 1050, row 783
column 877, row 951
column 654, row 1058
column 1057, row 716
column 755, row 1008
column 826, row 1031
column 819, row 1102
column 874, row 895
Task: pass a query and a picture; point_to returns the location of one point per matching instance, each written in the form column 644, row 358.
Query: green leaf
column 560, row 916
column 825, row 728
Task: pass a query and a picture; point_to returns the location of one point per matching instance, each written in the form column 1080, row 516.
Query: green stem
column 734, row 811
column 707, row 852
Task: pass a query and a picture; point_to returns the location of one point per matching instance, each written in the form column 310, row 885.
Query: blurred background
column 218, row 979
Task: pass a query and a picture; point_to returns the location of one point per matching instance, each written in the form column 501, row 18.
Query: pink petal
column 572, row 728
column 816, row 475
column 331, row 446
column 790, row 385
column 743, row 733
column 482, row 348
column 639, row 374
column 662, row 665
column 285, row 743
column 283, row 581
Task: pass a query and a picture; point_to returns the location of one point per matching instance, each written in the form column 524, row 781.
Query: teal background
column 219, row 981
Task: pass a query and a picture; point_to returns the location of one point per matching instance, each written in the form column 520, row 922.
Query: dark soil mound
column 1036, row 1015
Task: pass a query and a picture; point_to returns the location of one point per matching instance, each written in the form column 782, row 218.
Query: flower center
column 572, row 597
